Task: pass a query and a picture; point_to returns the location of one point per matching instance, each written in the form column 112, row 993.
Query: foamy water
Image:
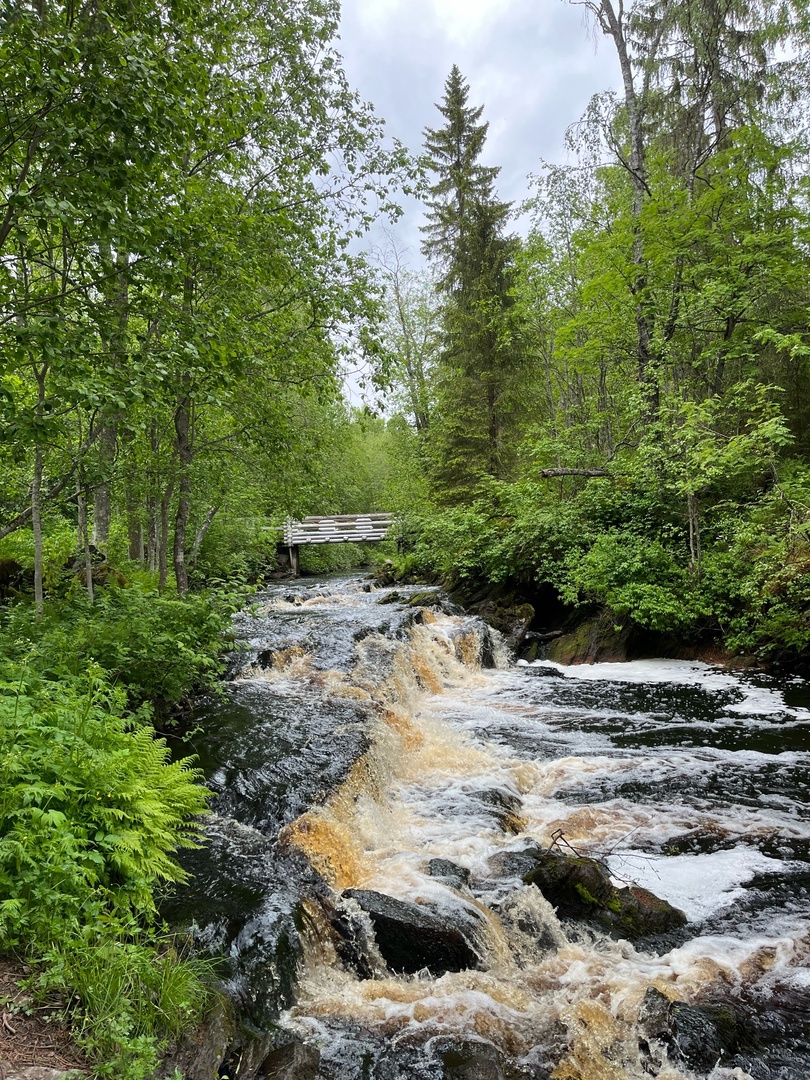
column 686, row 780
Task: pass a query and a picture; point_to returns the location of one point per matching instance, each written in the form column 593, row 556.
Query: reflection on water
column 361, row 742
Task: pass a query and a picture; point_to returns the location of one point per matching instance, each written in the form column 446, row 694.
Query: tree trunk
column 163, row 548
column 693, row 514
column 152, row 535
column 84, row 538
column 612, row 24
column 36, row 524
column 108, row 445
column 202, row 532
column 547, row 474
column 185, row 453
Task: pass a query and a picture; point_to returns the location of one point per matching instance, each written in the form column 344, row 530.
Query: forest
column 610, row 406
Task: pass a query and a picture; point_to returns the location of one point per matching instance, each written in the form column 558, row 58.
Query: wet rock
column 456, row 876
column 545, row 671
column 471, row 1060
column 514, row 864
column 412, row 937
column 279, row 658
column 429, row 598
column 580, row 888
column 473, row 643
column 511, row 620
column 700, row 1036
column 504, row 807
column 296, row 1061
column 595, row 640
column 392, row 598
column 198, row 1055
column 353, row 938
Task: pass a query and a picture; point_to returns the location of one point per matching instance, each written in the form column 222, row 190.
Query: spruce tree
column 478, row 372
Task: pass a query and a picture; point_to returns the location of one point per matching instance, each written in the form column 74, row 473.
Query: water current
column 362, row 746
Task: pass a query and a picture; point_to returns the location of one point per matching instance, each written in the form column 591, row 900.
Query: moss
column 585, row 896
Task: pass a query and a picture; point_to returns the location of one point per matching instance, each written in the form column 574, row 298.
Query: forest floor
column 35, row 1039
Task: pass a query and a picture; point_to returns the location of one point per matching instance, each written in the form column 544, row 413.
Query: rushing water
column 360, row 741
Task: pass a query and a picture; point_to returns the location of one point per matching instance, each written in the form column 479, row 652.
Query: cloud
column 532, row 65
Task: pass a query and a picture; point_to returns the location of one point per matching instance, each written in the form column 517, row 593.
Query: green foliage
column 91, row 808
column 134, row 995
column 158, row 648
column 236, row 550
column 329, row 558
column 481, row 372
column 637, row 578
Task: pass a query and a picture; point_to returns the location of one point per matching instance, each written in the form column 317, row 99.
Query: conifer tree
column 479, row 365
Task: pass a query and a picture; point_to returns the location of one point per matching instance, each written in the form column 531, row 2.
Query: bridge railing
column 338, row 529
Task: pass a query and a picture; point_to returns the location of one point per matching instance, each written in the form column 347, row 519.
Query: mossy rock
column 426, row 598
column 596, row 640
column 580, row 888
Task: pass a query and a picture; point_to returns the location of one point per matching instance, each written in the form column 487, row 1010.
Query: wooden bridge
column 334, row 529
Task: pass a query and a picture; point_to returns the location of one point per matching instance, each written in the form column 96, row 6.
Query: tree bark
column 185, row 453
column 693, row 514
column 163, row 546
column 25, row 515
column 36, row 524
column 202, row 532
column 102, row 512
column 611, row 22
column 152, row 535
column 84, row 538
column 547, row 474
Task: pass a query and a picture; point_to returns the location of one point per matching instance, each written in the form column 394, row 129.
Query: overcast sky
column 532, row 64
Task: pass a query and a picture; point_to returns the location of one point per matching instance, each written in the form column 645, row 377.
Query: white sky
column 532, row 64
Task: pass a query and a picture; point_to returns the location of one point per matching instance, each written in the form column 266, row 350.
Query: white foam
column 697, row 884
column 683, row 672
column 756, row 701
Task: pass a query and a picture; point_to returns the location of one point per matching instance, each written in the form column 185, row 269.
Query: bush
column 91, row 807
column 92, row 810
column 330, row 558
column 160, row 648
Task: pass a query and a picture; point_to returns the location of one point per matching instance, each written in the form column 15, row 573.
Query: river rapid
column 371, row 747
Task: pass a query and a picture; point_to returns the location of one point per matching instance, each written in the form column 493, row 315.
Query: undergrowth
column 93, row 810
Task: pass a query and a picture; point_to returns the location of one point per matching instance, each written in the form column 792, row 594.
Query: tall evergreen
column 478, row 368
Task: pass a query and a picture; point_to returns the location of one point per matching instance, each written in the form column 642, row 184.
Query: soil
column 33, row 1034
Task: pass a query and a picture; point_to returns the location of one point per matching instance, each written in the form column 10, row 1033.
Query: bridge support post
column 295, row 561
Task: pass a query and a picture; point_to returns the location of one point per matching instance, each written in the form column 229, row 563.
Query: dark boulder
column 458, row 877
column 512, row 620
column 471, row 1059
column 596, row 640
column 391, row 598
column 427, row 598
column 700, row 1036
column 580, row 888
column 295, row 1061
column 411, row 937
column 504, row 807
column 545, row 671
column 514, row 864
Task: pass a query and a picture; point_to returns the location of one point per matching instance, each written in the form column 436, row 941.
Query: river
column 361, row 745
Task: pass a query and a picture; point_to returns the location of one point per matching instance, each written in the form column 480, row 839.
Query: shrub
column 91, row 807
column 160, row 648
